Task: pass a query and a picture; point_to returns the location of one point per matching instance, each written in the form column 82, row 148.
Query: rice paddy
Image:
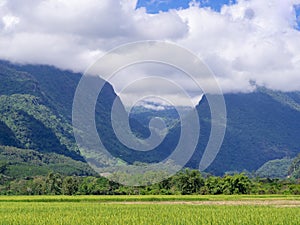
column 149, row 210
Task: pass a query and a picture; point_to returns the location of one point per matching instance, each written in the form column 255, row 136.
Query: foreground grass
column 107, row 210
column 143, row 198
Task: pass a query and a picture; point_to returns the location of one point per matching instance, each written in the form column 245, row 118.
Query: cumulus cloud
column 250, row 40
column 66, row 33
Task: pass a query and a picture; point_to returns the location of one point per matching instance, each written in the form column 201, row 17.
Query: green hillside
column 277, row 168
column 29, row 117
column 36, row 114
column 294, row 170
column 20, row 163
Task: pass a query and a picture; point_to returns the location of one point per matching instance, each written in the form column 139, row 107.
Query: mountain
column 36, row 110
column 30, row 116
column 36, row 115
column 261, row 126
column 36, row 118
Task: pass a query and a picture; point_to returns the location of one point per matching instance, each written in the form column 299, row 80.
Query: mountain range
column 36, row 122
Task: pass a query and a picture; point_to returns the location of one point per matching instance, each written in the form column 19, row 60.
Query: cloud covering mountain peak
column 250, row 40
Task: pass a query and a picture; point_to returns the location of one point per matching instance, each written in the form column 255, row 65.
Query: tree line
column 185, row 182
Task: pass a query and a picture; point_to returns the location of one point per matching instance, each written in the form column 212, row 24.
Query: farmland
column 244, row 209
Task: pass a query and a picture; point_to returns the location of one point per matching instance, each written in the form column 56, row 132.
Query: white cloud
column 250, row 40
column 9, row 22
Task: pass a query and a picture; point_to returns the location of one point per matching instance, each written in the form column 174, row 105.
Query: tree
column 214, row 185
column 53, row 184
column 87, row 185
column 189, row 181
column 70, row 185
column 236, row 184
column 38, row 186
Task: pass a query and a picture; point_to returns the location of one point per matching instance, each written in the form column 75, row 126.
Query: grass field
column 150, row 210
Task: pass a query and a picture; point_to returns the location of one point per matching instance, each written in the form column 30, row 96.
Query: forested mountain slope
column 36, row 114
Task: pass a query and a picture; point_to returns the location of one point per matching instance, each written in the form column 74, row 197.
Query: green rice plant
column 140, row 210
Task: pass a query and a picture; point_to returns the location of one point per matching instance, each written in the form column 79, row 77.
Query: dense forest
column 185, row 182
column 26, row 172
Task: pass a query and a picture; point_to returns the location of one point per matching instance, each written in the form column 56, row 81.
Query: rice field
column 150, row 210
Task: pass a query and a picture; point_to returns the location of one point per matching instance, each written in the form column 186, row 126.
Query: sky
column 240, row 41
column 154, row 6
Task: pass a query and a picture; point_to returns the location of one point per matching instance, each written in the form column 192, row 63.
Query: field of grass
column 150, row 210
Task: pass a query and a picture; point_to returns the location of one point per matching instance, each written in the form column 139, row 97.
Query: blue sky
column 297, row 9
column 154, row 6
